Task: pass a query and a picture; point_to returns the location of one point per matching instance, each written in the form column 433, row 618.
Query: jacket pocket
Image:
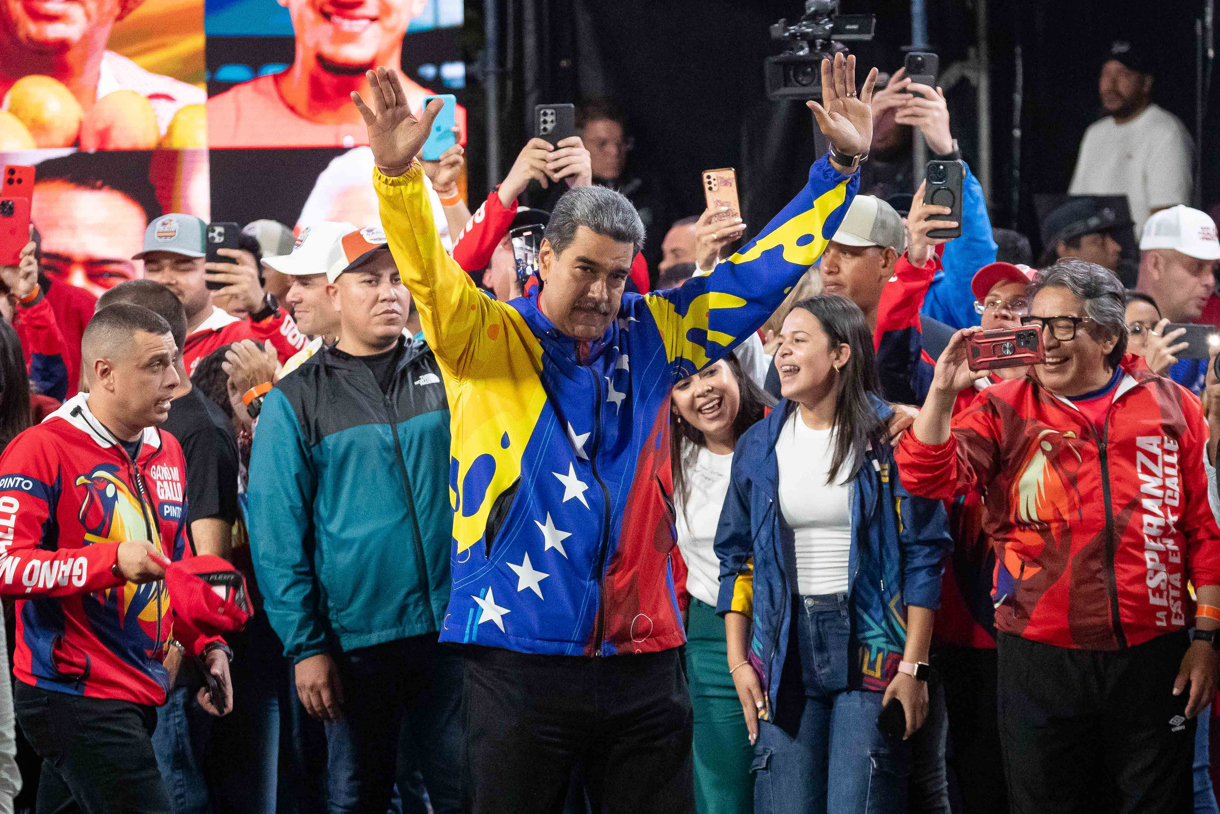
column 70, row 662
column 498, row 514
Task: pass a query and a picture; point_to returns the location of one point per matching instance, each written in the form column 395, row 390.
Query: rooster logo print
column 111, row 513
column 1042, row 487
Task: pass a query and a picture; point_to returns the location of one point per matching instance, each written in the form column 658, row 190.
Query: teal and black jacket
column 349, row 517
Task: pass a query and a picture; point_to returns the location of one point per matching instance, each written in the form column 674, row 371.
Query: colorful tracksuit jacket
column 69, row 494
column 1096, row 531
column 561, row 531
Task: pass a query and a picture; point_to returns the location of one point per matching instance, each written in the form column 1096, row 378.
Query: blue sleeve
column 703, row 319
column 734, row 546
column 49, row 375
column 924, row 535
column 279, row 518
column 949, row 298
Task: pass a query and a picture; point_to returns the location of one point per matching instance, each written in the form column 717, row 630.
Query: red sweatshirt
column 44, row 349
column 73, row 309
column 221, row 328
column 69, row 494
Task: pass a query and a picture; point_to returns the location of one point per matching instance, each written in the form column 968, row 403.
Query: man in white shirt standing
column 1140, row 149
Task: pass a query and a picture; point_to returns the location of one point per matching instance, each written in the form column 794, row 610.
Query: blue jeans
column 414, row 682
column 822, row 751
column 180, row 742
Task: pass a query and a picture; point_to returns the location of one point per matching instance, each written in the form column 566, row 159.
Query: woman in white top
column 830, row 575
column 710, row 411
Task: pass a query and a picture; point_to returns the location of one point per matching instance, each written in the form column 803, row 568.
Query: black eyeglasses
column 1062, row 328
column 1139, row 327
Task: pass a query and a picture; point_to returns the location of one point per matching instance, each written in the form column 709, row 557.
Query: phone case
column 892, row 720
column 922, row 67
column 944, row 181
column 554, row 123
column 16, row 192
column 442, row 136
column 1004, row 347
column 1199, row 339
column 223, row 235
column 720, row 189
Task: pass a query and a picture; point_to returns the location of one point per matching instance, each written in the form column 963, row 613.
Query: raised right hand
column 136, row 562
column 715, row 232
column 753, row 702
column 953, row 373
column 319, row 687
column 920, row 221
column 529, row 166
column 1161, row 349
column 395, row 136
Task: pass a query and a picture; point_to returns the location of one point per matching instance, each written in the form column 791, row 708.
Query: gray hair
column 1105, row 299
column 602, row 211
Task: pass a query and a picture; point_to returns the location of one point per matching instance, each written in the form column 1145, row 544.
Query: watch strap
column 953, row 155
column 1212, row 637
column 852, row 162
column 916, row 669
column 257, row 391
column 270, row 305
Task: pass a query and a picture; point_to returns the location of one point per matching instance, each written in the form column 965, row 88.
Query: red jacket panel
column 221, row 328
column 44, row 349
column 1096, row 532
column 68, row 496
column 482, row 233
column 73, row 309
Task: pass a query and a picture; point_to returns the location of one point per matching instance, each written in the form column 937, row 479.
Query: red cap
column 209, row 595
column 986, row 277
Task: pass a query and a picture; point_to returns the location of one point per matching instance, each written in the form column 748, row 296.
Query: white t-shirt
column 818, row 513
column 697, row 521
column 1148, row 159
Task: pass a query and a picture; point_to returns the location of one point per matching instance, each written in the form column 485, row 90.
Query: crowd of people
column 529, row 526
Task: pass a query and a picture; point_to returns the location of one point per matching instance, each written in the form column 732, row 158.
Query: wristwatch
column 953, row 155
column 253, row 398
column 919, row 670
column 1212, row 637
column 852, row 162
column 221, row 646
column 270, row 305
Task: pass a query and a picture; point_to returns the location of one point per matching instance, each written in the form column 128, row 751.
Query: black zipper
column 1111, row 544
column 421, row 561
column 600, row 631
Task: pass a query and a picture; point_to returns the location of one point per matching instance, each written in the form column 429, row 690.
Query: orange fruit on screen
column 47, row 108
column 121, row 120
column 188, row 129
column 13, row 135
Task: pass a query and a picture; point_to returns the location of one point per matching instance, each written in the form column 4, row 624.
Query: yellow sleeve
column 457, row 318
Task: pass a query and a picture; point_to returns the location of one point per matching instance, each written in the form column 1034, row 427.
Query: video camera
column 820, row 33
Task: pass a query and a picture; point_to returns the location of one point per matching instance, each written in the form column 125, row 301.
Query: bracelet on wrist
column 739, row 666
column 450, row 200
column 257, row 391
column 1207, row 612
column 31, row 298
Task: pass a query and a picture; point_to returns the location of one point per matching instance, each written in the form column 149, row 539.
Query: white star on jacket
column 623, row 363
column 491, row 611
column 573, row 487
column 578, row 441
column 527, row 577
column 551, row 536
column 615, row 396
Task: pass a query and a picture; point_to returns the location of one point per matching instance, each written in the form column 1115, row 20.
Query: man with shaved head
column 86, row 499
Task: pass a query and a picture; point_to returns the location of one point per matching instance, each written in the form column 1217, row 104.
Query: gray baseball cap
column 871, row 222
column 176, row 234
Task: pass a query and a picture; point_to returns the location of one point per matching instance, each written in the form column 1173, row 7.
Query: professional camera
column 797, row 73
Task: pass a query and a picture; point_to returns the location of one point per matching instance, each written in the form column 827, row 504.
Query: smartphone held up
column 1004, row 347
column 720, row 190
column 16, row 194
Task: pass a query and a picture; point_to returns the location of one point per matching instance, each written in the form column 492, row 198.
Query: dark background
column 690, row 77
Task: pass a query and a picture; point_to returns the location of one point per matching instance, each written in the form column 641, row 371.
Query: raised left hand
column 1161, row 349
column 843, row 117
column 444, row 172
column 242, row 294
column 1199, row 669
column 921, row 220
column 914, row 697
column 217, row 664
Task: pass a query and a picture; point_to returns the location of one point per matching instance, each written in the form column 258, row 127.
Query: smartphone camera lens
column 936, row 173
column 1024, row 340
column 916, row 64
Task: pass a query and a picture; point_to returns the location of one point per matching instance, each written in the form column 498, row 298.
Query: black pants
column 626, row 721
column 1080, row 726
column 413, row 683
column 969, row 677
column 96, row 753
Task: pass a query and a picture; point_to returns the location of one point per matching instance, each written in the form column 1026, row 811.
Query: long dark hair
column 14, row 386
column 752, row 406
column 856, row 422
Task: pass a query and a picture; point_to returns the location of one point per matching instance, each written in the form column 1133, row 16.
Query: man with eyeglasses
column 1178, row 254
column 1097, row 511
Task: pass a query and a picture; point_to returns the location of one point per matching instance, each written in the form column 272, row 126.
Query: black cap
column 1132, row 55
column 527, row 216
column 901, row 202
column 1082, row 215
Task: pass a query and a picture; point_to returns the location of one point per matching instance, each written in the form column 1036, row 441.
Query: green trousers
column 722, row 750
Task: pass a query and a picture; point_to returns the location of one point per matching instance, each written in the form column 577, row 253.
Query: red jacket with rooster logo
column 69, row 494
column 1096, row 529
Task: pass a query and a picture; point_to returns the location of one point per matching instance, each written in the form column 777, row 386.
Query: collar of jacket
column 342, row 360
column 555, row 340
column 77, row 413
column 778, row 417
column 1135, row 372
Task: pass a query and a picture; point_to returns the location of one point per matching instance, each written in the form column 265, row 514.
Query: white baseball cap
column 328, row 248
column 871, row 221
column 1182, row 229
